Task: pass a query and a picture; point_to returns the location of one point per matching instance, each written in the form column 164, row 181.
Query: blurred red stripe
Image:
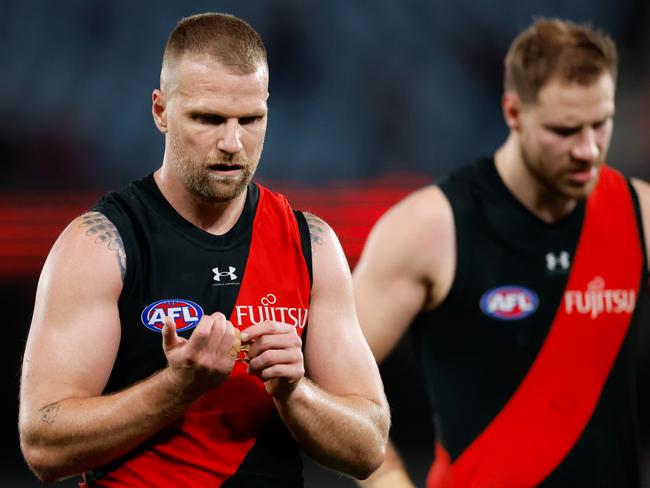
column 30, row 222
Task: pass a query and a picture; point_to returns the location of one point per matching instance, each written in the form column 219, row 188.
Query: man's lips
column 225, row 168
column 584, row 176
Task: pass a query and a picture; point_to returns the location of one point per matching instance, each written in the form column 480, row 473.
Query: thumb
column 169, row 336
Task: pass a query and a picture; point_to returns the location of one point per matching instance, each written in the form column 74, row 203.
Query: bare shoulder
column 89, row 247
column 96, row 227
column 416, row 229
column 642, row 188
column 328, row 258
column 421, row 209
column 319, row 230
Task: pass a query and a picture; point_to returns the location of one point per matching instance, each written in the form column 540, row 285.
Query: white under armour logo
column 222, row 274
column 554, row 260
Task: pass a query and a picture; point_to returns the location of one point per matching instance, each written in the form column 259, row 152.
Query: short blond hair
column 226, row 38
column 552, row 48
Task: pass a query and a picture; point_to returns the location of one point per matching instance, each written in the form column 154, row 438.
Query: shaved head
column 214, row 36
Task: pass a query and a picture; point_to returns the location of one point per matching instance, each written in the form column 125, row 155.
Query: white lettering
column 157, row 317
column 507, row 302
column 291, row 312
column 304, row 320
column 250, row 314
column 524, row 301
column 187, row 317
column 241, row 313
column 597, row 300
column 173, row 312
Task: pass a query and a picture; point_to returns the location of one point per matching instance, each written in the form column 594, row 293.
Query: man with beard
column 524, row 270
column 233, row 390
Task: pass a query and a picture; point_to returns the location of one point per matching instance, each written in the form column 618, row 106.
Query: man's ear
column 511, row 106
column 158, row 110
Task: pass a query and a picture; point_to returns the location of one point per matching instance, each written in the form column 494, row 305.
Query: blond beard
column 200, row 180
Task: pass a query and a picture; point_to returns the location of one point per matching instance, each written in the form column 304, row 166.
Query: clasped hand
column 206, row 359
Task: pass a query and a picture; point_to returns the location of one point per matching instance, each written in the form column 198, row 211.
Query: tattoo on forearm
column 105, row 232
column 49, row 413
column 316, row 226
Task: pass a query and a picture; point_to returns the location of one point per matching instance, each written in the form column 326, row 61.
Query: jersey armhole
column 639, row 226
column 305, row 241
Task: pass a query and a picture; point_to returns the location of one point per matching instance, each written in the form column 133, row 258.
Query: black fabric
column 269, row 464
column 305, row 240
column 473, row 362
column 167, row 257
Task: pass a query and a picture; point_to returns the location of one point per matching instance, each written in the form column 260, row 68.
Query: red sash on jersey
column 550, row 409
column 209, row 442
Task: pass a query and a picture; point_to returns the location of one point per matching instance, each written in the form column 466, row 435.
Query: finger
column 226, row 340
column 236, row 345
column 217, row 333
column 201, row 334
column 267, row 327
column 289, row 372
column 169, row 336
column 289, row 340
column 219, row 317
column 275, row 357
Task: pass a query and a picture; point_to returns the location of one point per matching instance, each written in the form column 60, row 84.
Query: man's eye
column 600, row 124
column 249, row 120
column 564, row 131
column 208, row 119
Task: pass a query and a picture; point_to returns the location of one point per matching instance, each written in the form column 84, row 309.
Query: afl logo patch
column 185, row 314
column 511, row 302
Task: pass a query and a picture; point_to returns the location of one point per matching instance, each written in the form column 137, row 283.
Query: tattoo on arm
column 105, row 232
column 49, row 413
column 316, row 227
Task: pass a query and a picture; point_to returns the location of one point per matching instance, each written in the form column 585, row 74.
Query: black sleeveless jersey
column 479, row 344
column 174, row 268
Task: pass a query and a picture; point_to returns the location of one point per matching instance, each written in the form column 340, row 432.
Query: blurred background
column 369, row 100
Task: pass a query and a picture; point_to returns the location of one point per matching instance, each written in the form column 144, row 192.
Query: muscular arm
column 338, row 413
column 66, row 425
column 407, row 265
column 643, row 191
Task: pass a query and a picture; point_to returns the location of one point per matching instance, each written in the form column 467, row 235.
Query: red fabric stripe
column 548, row 412
column 206, row 446
column 440, row 473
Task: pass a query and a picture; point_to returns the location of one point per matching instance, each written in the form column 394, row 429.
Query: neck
column 532, row 192
column 215, row 217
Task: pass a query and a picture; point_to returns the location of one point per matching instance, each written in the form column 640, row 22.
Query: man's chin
column 579, row 191
column 224, row 191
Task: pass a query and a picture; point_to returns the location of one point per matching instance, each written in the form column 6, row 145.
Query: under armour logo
column 222, row 274
column 554, row 260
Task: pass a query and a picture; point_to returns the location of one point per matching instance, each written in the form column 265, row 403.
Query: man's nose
column 586, row 147
column 230, row 141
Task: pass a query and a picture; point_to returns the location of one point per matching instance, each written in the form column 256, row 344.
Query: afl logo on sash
column 510, row 302
column 185, row 314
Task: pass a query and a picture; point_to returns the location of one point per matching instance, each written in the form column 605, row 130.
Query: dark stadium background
column 369, row 100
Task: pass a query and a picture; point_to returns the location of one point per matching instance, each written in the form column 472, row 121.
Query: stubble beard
column 556, row 186
column 204, row 182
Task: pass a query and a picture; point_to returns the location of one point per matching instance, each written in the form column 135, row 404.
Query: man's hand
column 275, row 356
column 205, row 359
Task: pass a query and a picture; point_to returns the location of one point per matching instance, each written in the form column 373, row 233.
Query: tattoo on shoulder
column 105, row 232
column 316, row 228
column 49, row 413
